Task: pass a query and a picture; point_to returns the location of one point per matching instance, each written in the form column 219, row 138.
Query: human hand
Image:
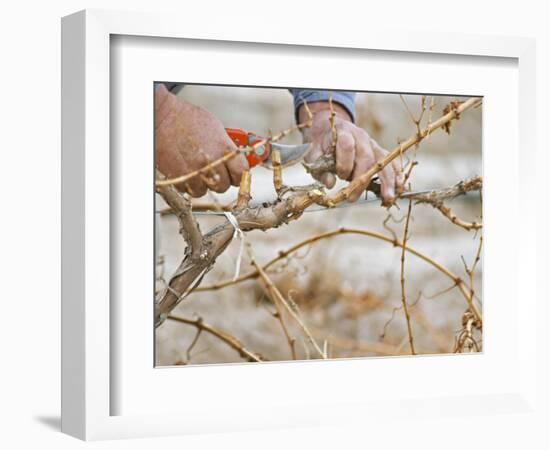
column 188, row 138
column 356, row 152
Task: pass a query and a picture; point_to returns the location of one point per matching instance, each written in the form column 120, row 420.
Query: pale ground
column 345, row 286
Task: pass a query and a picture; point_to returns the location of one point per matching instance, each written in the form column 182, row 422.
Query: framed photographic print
column 324, row 291
column 246, row 249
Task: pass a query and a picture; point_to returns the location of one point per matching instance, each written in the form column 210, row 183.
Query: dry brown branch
column 439, row 339
column 471, row 271
column 432, row 197
column 201, row 207
column 189, row 228
column 379, row 348
column 278, row 314
column 387, row 227
column 191, row 265
column 449, row 193
column 277, row 170
column 476, row 261
column 405, row 104
column 412, row 165
column 418, row 123
column 447, row 212
column 193, row 343
column 452, row 106
column 183, row 178
column 244, row 190
column 232, row 341
column 394, row 311
column 403, row 290
column 436, row 199
column 277, row 297
column 422, row 111
column 430, row 111
column 334, row 133
column 465, row 340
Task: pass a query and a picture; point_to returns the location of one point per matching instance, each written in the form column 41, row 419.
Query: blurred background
column 347, row 287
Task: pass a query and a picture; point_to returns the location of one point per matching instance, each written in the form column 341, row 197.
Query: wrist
column 319, row 109
column 166, row 104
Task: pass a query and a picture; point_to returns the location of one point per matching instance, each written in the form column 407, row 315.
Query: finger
column 399, row 176
column 387, row 176
column 345, row 155
column 364, row 160
column 196, row 186
column 216, row 177
column 236, row 166
column 176, row 166
column 219, row 180
column 387, row 181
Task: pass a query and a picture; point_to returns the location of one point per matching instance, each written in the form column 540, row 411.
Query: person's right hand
column 188, row 138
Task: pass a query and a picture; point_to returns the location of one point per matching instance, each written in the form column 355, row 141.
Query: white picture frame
column 89, row 328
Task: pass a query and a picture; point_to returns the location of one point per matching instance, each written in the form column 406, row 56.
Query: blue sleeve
column 174, row 88
column 343, row 98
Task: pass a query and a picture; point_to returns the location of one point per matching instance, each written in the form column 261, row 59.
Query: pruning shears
column 261, row 154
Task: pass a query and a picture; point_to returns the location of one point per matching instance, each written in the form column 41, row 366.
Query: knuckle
column 363, row 135
column 220, row 187
column 201, row 191
column 368, row 159
column 345, row 141
column 236, row 171
column 197, row 189
column 343, row 168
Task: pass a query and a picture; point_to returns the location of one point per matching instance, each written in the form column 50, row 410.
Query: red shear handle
column 242, row 138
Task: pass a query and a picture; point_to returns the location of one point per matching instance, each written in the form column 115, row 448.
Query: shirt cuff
column 343, row 98
column 174, row 88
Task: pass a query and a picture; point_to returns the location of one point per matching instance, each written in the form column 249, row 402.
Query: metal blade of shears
column 290, row 154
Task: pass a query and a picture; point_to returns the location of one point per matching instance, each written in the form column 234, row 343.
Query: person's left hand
column 356, row 152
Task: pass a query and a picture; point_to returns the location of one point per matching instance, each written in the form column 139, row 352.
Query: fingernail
column 389, row 196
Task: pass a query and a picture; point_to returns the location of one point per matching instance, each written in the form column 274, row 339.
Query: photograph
column 296, row 224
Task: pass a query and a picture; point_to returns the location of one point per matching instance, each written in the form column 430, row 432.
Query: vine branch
column 232, row 341
column 403, row 290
